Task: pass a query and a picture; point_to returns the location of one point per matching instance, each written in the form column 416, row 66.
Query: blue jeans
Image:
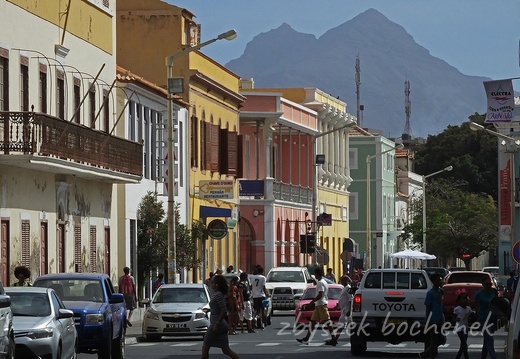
column 489, row 341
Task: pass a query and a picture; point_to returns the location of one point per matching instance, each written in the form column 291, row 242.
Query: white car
column 177, row 310
column 7, row 345
column 286, row 286
column 43, row 327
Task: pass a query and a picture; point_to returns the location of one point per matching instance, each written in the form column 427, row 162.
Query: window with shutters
column 92, row 107
column 77, row 100
column 241, row 161
column 77, row 248
column 215, row 145
column 24, row 84
column 93, row 245
column 43, row 88
column 205, row 146
column 60, row 94
column 228, row 152
column 194, row 141
column 106, row 112
column 26, row 242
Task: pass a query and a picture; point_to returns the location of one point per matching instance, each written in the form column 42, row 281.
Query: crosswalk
column 445, row 347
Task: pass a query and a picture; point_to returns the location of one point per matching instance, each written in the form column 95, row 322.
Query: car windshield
column 29, row 304
column 75, row 290
column 181, row 295
column 285, row 276
column 466, row 278
column 310, row 293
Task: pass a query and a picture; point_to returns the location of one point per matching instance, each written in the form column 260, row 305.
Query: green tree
column 151, row 236
column 459, row 223
column 473, row 155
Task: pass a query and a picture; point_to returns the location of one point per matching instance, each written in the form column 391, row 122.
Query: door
column 4, row 254
column 60, row 235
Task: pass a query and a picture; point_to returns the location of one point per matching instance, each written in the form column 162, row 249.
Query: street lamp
column 507, row 230
column 172, row 241
column 449, row 168
column 369, row 210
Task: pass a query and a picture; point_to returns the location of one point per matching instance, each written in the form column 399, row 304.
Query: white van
column 513, row 335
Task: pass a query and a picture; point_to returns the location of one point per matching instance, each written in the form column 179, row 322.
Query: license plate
column 395, row 321
column 175, row 325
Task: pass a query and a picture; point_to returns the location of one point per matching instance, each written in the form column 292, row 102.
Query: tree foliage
column 152, row 239
column 459, row 223
column 473, row 155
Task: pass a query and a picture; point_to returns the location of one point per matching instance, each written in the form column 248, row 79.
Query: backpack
column 127, row 286
column 246, row 291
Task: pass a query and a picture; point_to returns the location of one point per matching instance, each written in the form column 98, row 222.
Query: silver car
column 175, row 310
column 43, row 327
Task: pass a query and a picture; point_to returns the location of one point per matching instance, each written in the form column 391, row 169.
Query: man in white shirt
column 344, row 303
column 259, row 293
column 321, row 310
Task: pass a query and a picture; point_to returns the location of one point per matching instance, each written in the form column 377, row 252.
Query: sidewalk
column 133, row 333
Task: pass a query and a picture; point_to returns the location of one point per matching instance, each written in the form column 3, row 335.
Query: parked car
column 176, row 310
column 43, row 327
column 462, row 281
column 99, row 312
column 302, row 315
column 443, row 272
column 7, row 344
column 495, row 271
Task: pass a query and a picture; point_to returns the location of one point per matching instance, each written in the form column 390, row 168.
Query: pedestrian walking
column 462, row 312
column 156, row 284
column 260, row 293
column 234, row 305
column 22, row 273
column 511, row 284
column 482, row 300
column 330, row 275
column 320, row 313
column 434, row 319
column 126, row 285
column 345, row 299
column 217, row 334
column 247, row 312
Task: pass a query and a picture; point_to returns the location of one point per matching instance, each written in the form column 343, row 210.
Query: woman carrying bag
column 217, row 334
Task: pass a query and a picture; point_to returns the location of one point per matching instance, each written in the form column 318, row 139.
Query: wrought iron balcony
column 42, row 135
column 292, row 193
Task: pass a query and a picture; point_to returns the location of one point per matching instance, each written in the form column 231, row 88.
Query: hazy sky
column 478, row 37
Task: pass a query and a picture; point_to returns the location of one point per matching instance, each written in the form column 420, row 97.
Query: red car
column 304, row 316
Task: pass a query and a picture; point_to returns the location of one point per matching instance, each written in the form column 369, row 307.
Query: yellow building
column 160, row 30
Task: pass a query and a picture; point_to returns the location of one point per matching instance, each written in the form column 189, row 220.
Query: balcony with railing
column 29, row 138
column 280, row 191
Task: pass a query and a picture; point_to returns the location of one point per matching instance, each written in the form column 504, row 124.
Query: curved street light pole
column 172, row 240
column 368, row 243
column 449, row 168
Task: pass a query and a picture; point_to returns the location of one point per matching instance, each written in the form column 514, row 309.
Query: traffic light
column 307, row 243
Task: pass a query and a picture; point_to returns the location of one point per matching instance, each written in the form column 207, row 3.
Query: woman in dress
column 217, row 334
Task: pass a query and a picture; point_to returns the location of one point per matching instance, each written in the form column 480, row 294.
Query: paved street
column 278, row 341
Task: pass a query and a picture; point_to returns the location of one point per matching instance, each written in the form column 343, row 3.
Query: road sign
column 515, row 252
column 216, row 189
column 217, row 229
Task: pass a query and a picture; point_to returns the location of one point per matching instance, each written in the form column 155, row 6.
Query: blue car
column 99, row 312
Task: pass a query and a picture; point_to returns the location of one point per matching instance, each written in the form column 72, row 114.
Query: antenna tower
column 358, row 82
column 407, row 109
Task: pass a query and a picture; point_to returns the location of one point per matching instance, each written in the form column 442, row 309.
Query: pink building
column 278, row 175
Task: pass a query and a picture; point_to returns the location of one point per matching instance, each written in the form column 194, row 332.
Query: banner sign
column 500, row 101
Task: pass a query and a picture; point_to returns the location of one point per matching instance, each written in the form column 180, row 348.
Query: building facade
column 59, row 158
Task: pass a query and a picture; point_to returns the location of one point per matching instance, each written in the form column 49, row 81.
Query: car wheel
column 11, row 349
column 58, row 352
column 118, row 346
column 106, row 350
column 358, row 345
column 151, row 337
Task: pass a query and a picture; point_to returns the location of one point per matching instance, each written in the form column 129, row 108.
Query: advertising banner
column 500, row 101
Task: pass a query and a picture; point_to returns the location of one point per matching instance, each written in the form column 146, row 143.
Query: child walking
column 462, row 312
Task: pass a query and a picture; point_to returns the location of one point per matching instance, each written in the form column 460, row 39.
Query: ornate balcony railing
column 44, row 135
column 292, row 193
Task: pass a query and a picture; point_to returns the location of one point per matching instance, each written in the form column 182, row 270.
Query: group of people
column 231, row 305
column 483, row 299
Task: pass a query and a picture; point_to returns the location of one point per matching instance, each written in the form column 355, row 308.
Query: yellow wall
column 86, row 21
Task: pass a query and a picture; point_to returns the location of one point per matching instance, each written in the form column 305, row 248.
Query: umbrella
column 412, row 254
